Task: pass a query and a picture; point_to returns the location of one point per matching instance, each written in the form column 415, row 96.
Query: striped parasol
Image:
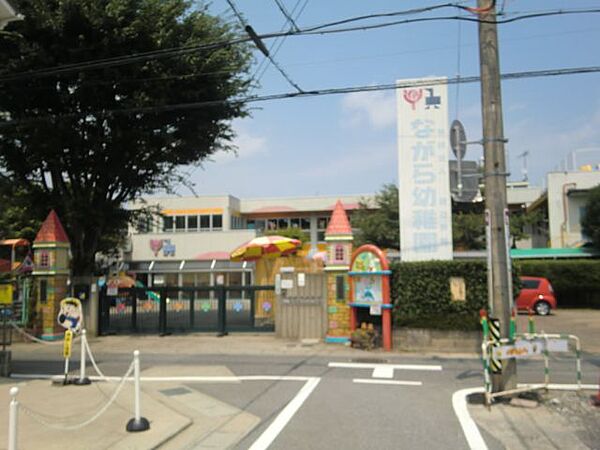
column 265, row 247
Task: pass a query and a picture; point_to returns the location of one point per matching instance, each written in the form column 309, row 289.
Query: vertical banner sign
column 423, row 175
column 508, row 260
column 488, row 254
column 68, row 344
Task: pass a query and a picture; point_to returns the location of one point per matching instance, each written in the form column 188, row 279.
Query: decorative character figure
column 156, row 245
column 432, row 100
column 168, row 248
column 70, row 315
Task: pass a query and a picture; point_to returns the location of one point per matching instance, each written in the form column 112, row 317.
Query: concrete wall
column 565, row 204
column 188, row 245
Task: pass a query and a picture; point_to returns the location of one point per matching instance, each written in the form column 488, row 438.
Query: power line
column 319, row 29
column 258, row 42
column 315, row 30
column 277, row 44
column 286, row 14
column 313, row 93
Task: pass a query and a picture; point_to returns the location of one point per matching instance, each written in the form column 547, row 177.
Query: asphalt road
column 339, row 412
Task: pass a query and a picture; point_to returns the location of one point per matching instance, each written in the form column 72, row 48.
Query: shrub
column 576, row 282
column 422, row 298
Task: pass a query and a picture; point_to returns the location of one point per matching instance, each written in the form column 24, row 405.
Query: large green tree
column 590, row 222
column 77, row 140
column 377, row 222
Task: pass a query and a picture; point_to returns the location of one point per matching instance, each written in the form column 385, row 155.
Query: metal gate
column 166, row 310
column 302, row 308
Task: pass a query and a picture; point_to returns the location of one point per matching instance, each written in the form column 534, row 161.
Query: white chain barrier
column 36, row 339
column 93, row 361
column 41, row 418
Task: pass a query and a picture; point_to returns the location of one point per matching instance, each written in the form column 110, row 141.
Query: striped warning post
column 495, row 364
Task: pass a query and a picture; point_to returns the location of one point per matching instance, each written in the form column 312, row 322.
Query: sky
column 347, row 144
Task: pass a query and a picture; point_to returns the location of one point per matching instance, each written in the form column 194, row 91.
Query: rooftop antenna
column 524, row 170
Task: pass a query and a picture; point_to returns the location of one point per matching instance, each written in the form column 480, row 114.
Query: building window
column 44, row 259
column 283, row 223
column 167, row 224
column 204, row 223
column 237, row 223
column 43, row 291
column 180, row 223
column 217, row 222
column 143, row 225
column 339, row 253
column 192, row 223
column 322, row 223
column 340, row 288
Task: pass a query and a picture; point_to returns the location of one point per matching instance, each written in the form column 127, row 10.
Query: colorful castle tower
column 339, row 249
column 51, row 259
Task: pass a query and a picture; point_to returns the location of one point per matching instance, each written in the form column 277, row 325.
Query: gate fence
column 176, row 309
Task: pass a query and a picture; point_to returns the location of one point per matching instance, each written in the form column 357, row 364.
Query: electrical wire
column 319, row 29
column 315, row 30
column 264, row 51
column 278, row 43
column 313, row 93
column 287, row 15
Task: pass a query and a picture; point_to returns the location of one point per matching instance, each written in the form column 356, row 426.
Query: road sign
column 522, row 349
column 6, row 294
column 458, row 139
column 67, row 344
column 70, row 315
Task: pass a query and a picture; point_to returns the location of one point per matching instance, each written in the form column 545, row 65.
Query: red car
column 537, row 295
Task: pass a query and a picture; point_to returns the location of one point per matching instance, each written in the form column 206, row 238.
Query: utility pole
column 495, row 182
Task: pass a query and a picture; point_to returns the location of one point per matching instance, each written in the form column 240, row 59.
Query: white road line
column 285, row 416
column 474, row 438
column 392, row 366
column 383, row 372
column 396, row 382
column 469, row 427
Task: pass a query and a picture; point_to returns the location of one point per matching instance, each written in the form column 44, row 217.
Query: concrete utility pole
column 495, row 181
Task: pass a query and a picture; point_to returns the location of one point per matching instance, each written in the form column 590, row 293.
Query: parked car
column 536, row 295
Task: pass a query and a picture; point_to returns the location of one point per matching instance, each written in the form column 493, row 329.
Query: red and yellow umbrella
column 265, row 247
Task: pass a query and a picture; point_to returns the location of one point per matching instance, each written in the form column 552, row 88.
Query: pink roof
column 209, row 256
column 338, row 224
column 52, row 230
column 347, row 206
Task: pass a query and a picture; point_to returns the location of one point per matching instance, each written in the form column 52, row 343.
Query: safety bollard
column 13, row 417
column 513, row 325
column 531, row 327
column 82, row 380
column 138, row 423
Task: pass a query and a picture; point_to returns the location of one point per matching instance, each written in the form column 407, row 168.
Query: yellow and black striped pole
column 495, row 364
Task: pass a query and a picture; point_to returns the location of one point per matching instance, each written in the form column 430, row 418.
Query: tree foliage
column 590, row 222
column 468, row 231
column 378, row 223
column 71, row 141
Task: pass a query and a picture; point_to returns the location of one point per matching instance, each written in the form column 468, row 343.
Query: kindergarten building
column 190, row 242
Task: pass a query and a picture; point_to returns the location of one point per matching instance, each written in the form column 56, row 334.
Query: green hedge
column 421, row 294
column 575, row 282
